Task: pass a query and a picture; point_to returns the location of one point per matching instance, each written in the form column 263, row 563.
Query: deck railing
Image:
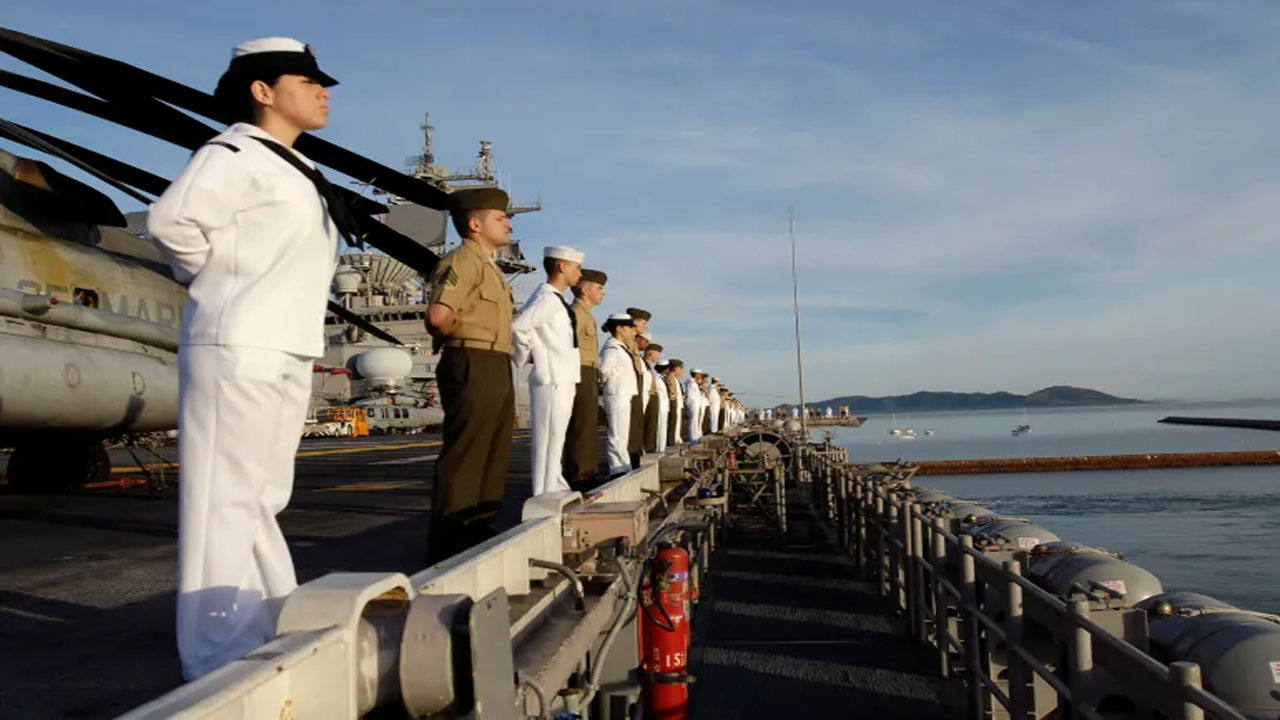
column 343, row 649
column 1021, row 651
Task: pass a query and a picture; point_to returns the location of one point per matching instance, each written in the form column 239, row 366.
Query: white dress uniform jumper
column 678, row 409
column 693, row 400
column 256, row 243
column 618, row 385
column 664, row 405
column 543, row 333
column 713, row 407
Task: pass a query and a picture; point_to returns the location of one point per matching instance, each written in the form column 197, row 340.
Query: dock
column 1149, row 461
column 1246, row 423
column 822, row 422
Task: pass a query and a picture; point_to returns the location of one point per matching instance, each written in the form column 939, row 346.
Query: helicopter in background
column 89, row 316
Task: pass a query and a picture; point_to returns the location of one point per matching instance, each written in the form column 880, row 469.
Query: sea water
column 1210, row 530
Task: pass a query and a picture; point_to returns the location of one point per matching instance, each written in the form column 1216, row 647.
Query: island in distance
column 925, row 401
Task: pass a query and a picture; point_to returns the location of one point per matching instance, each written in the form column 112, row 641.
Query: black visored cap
column 278, row 62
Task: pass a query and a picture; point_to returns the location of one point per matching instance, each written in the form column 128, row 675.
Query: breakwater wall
column 1149, row 461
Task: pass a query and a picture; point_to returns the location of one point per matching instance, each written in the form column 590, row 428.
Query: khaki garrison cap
column 595, row 276
column 675, row 363
column 639, row 314
column 468, row 199
column 655, row 346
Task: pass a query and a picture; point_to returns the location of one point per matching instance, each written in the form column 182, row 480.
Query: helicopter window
column 368, row 412
column 85, row 297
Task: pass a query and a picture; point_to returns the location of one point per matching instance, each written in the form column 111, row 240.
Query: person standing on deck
column 714, row 419
column 581, row 450
column 675, row 375
column 618, row 389
column 635, row 438
column 251, row 227
column 704, row 383
column 652, row 357
column 544, row 334
column 650, row 388
column 693, row 402
column 470, row 314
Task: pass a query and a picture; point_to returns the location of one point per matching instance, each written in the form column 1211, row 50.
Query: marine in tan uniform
column 470, row 315
column 675, row 371
column 650, row 353
column 581, row 443
column 635, row 440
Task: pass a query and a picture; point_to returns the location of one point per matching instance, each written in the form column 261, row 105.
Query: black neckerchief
column 573, row 320
column 341, row 215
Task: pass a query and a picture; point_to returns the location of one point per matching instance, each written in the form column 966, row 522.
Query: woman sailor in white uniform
column 247, row 226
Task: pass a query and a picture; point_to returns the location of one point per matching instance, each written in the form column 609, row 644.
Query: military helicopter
column 89, row 311
column 88, row 327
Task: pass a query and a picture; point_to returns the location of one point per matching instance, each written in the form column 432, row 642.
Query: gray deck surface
column 87, row 580
column 786, row 630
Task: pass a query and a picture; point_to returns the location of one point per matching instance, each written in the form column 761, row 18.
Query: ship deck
column 87, row 580
column 87, row 587
column 785, row 628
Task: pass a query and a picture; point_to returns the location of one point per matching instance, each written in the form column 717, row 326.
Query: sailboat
column 908, row 433
column 895, row 431
column 1024, row 428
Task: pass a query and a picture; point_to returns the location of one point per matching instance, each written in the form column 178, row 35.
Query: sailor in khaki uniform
column 618, row 388
column 657, row 432
column 470, row 314
column 581, row 448
column 543, row 334
column 675, row 379
column 635, row 438
column 257, row 243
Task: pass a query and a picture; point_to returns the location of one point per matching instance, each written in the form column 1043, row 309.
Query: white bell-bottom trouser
column 693, row 430
column 662, row 428
column 241, row 412
column 550, row 408
column 617, row 410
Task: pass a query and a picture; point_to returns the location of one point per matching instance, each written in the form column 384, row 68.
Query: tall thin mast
column 795, row 301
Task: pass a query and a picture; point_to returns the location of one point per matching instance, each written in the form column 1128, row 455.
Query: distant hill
column 924, row 401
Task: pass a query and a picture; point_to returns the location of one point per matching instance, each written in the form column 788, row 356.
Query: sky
column 989, row 195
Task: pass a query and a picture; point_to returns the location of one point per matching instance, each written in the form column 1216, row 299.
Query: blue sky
column 990, row 194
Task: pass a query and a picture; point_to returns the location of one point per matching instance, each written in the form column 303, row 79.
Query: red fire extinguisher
column 664, row 633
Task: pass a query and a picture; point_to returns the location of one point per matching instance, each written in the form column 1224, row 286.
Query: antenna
column 795, row 301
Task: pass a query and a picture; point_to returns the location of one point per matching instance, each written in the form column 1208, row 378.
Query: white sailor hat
column 696, row 371
column 564, row 253
column 646, row 336
column 267, row 57
column 616, row 320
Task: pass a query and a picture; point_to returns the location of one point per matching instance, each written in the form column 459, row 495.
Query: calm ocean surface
column 1211, row 530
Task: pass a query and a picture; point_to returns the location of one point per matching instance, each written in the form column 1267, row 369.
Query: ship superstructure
column 393, row 297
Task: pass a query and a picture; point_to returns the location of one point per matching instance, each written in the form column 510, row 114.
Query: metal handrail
column 914, row 560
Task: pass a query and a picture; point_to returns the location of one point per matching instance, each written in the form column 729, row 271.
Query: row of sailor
column 252, row 223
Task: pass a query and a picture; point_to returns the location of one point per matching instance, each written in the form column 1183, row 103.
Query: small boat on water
column 1024, row 428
